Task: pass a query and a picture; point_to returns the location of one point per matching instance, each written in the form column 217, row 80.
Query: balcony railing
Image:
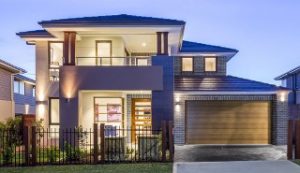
column 113, row 61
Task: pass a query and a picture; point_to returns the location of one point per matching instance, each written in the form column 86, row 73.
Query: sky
column 266, row 32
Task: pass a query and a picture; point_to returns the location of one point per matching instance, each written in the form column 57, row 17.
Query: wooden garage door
column 227, row 122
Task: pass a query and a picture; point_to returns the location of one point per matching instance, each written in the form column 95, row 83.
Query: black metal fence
column 101, row 144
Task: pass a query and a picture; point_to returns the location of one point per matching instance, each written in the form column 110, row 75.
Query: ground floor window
column 54, row 113
column 109, row 110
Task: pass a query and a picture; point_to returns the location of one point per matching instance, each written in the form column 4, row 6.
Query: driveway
column 281, row 166
column 205, row 153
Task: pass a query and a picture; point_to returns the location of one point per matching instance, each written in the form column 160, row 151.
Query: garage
column 227, row 122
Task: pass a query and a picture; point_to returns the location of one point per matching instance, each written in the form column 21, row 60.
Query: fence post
column 96, row 148
column 27, row 145
column 297, row 148
column 290, row 146
column 171, row 142
column 33, row 149
column 102, row 143
column 164, row 141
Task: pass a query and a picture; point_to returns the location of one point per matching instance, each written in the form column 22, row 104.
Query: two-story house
column 24, row 95
column 16, row 94
column 133, row 72
column 291, row 80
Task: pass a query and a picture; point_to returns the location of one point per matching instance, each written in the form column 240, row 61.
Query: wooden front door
column 141, row 117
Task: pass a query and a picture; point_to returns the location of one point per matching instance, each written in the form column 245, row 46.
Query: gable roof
column 289, row 73
column 10, row 67
column 188, row 46
column 24, row 78
column 35, row 34
column 221, row 83
column 122, row 19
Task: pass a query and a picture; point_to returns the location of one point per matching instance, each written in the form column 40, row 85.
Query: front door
column 141, row 117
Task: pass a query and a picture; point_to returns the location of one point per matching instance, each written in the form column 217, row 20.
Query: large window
column 109, row 110
column 187, row 64
column 210, row 64
column 55, row 59
column 19, row 87
column 54, row 111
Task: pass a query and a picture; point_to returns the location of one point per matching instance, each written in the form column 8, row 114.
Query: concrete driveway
column 281, row 166
column 205, row 153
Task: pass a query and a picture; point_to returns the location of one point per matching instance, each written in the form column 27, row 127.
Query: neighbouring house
column 291, row 80
column 10, row 103
column 133, row 72
column 24, row 95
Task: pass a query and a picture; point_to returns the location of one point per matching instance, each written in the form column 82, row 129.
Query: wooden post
column 27, row 145
column 290, row 145
column 159, row 52
column 96, row 148
column 33, row 149
column 166, row 43
column 164, row 141
column 297, row 148
column 102, row 143
column 171, row 142
column 66, row 48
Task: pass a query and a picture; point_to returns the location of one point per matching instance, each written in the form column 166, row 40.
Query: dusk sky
column 266, row 32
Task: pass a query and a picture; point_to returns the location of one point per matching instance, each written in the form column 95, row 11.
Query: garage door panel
column 201, row 132
column 219, row 125
column 220, row 141
column 227, row 122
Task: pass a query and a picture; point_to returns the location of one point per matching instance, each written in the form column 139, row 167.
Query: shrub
column 8, row 154
column 72, row 153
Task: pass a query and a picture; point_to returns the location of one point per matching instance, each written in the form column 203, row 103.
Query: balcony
column 113, row 61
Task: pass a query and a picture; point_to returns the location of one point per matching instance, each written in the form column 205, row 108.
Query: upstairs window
column 19, row 87
column 187, row 64
column 55, row 59
column 210, row 64
column 33, row 92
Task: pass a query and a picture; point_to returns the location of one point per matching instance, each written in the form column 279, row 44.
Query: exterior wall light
column 177, row 107
column 68, row 100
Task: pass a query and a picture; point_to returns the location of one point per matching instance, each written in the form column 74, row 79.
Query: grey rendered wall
column 199, row 67
column 279, row 115
column 76, row 78
column 162, row 100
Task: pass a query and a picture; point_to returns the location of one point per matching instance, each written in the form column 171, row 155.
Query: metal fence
column 101, row 144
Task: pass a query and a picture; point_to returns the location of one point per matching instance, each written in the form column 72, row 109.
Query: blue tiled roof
column 221, row 83
column 289, row 73
column 188, row 46
column 24, row 78
column 36, row 33
column 122, row 19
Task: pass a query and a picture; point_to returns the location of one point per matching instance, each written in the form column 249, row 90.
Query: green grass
column 107, row 168
column 297, row 161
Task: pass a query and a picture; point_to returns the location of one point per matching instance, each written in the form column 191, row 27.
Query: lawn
column 108, row 168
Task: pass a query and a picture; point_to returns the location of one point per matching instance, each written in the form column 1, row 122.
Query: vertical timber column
column 162, row 100
column 166, row 43
column 159, row 52
column 69, row 48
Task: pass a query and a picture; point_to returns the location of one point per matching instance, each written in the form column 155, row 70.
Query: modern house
column 291, row 80
column 133, row 72
column 14, row 89
column 24, row 95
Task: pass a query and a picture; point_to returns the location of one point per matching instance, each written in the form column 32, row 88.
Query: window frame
column 216, row 66
column 193, row 68
column 49, row 60
column 96, row 51
column 50, row 119
column 18, row 82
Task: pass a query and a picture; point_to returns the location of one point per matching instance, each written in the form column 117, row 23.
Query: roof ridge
column 253, row 80
column 193, row 42
column 105, row 16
